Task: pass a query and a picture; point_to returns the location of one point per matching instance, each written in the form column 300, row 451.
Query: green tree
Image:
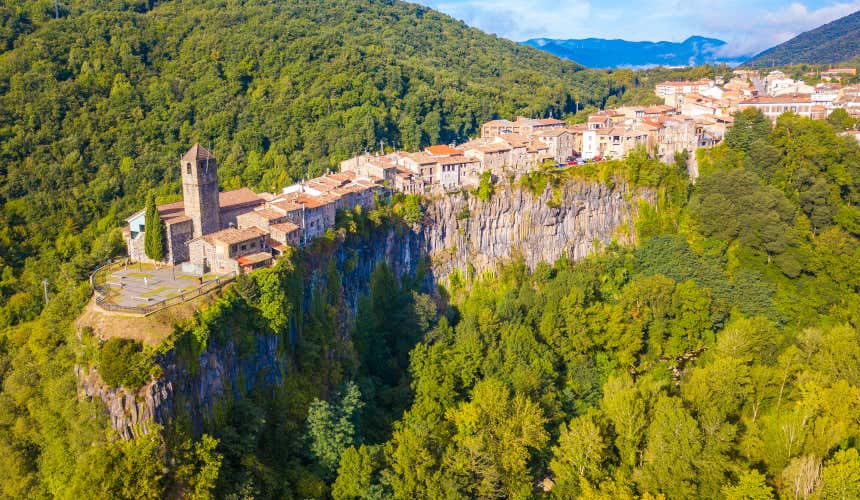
column 199, row 466
column 840, row 120
column 332, row 427
column 750, row 486
column 581, row 453
column 153, row 242
column 750, row 126
column 485, row 187
column 355, row 474
column 494, row 438
column 124, row 363
column 674, row 443
column 840, row 478
column 625, row 408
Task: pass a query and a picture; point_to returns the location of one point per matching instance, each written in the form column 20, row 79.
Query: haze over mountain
column 831, row 43
column 603, row 53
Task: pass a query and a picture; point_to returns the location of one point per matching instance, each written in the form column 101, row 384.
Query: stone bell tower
column 200, row 190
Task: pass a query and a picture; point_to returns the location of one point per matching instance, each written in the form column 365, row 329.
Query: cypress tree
column 153, row 243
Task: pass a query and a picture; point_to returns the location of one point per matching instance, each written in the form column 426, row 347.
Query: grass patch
column 139, row 275
column 154, row 292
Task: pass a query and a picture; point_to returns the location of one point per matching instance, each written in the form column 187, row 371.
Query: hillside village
column 773, row 94
column 232, row 231
column 240, row 230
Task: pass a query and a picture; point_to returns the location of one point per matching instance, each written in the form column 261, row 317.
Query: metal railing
column 102, row 292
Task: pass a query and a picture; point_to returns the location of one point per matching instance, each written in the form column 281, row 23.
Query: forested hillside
column 831, row 43
column 96, row 105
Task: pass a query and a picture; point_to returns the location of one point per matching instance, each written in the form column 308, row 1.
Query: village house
column 849, row 100
column 777, row 83
column 421, row 163
column 698, row 105
column 406, row 181
column 773, row 106
column 826, row 95
column 522, row 125
column 666, row 89
column 231, row 250
column 559, row 142
column 838, row 74
column 612, row 143
column 371, row 166
column 494, row 154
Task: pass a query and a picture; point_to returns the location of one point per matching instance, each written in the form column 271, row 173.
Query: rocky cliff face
column 463, row 230
column 458, row 231
column 219, row 369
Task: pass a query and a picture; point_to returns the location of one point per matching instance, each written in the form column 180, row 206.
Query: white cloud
column 519, row 20
column 748, row 26
column 762, row 29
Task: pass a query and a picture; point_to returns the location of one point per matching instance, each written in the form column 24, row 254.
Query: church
column 239, row 230
column 203, row 210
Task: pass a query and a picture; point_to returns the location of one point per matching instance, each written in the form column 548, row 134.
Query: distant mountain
column 602, row 53
column 832, row 43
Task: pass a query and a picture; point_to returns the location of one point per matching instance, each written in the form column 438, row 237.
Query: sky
column 749, row 26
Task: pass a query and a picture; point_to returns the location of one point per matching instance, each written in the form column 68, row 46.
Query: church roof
column 198, row 152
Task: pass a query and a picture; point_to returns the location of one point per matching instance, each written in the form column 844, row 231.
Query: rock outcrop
column 218, row 370
column 576, row 221
column 458, row 231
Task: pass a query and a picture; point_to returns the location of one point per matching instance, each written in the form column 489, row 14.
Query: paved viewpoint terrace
column 142, row 285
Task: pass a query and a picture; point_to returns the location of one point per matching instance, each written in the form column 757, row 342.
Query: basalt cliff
column 458, row 232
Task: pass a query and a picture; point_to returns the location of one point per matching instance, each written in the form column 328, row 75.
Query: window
column 188, row 168
column 243, row 247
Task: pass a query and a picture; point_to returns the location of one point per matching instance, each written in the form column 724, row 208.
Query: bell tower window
column 188, row 168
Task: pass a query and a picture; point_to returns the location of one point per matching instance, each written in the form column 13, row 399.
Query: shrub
column 124, row 362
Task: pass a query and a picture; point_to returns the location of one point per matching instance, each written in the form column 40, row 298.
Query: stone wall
column 178, row 236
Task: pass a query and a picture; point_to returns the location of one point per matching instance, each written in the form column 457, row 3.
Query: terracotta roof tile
column 442, row 150
column 287, row 227
column 238, row 198
column 254, row 258
column 231, row 235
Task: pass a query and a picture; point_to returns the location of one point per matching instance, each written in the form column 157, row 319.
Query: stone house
column 522, row 125
column 285, row 233
column 371, row 166
column 262, row 217
column 420, row 163
column 493, row 153
column 407, row 181
column 221, row 251
column 559, row 141
column 774, row 106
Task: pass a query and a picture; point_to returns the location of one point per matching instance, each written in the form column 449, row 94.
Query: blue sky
column 747, row 25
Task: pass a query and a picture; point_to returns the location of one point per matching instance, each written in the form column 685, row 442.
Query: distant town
column 240, row 230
